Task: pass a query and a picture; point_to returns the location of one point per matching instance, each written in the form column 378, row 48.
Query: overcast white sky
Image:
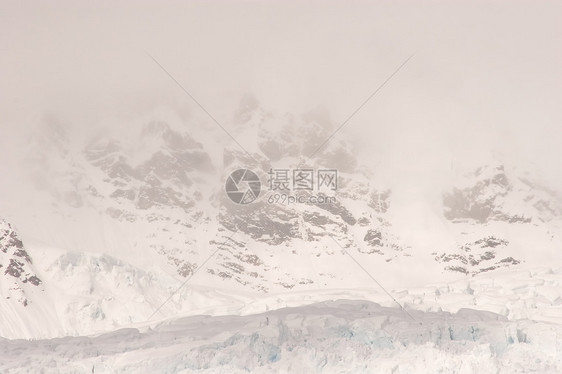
column 485, row 78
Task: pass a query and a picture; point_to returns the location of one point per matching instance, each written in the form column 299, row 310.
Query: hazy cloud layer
column 485, row 80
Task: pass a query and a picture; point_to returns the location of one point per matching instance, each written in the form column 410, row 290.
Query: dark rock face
column 164, row 179
column 486, row 199
column 380, row 201
column 262, row 222
column 15, row 262
column 482, row 255
column 478, row 202
column 373, row 238
column 337, row 209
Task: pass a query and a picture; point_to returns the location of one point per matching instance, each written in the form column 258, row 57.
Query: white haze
column 484, row 82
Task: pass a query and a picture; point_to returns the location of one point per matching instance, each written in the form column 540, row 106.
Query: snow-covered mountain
column 119, row 219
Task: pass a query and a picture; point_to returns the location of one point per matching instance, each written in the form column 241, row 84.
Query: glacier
column 339, row 336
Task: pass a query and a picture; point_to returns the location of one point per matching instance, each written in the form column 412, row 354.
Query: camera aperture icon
column 243, row 186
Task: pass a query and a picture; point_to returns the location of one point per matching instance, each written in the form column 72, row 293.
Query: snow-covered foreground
column 342, row 336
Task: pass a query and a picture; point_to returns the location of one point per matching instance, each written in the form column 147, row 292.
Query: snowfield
column 344, row 336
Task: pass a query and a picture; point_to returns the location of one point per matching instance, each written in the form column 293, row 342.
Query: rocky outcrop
column 480, row 256
column 16, row 269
